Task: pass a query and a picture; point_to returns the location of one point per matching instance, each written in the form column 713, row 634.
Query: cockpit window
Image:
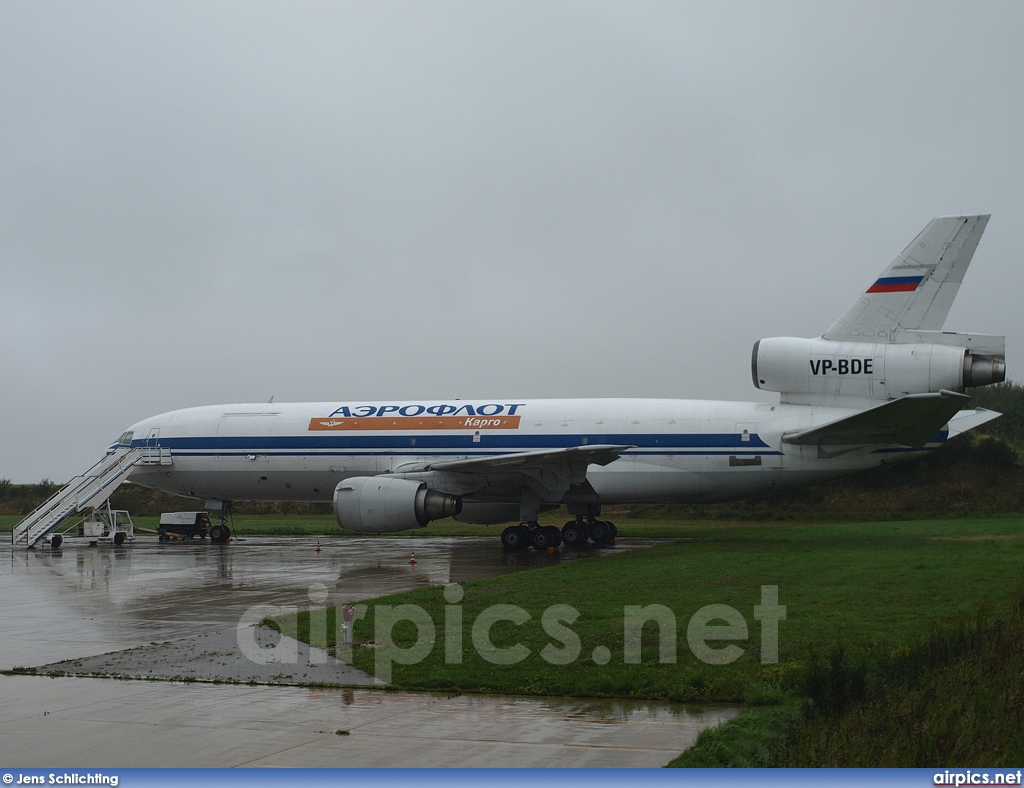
column 126, row 438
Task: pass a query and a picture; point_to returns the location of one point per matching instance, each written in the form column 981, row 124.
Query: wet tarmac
column 171, row 611
column 100, row 723
column 82, row 601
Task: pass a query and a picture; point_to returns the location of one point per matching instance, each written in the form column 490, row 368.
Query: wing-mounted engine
column 826, row 372
column 383, row 504
column 492, row 489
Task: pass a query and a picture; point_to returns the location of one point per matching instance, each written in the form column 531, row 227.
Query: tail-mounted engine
column 826, row 372
column 382, row 504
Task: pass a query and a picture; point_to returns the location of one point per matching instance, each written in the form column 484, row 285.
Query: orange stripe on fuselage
column 418, row 423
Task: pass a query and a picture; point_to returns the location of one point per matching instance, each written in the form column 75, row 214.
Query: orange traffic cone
column 413, row 559
column 318, row 546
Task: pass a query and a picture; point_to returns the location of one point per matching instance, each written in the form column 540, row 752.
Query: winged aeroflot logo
column 491, row 416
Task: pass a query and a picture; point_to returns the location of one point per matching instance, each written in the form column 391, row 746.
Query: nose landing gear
column 219, row 534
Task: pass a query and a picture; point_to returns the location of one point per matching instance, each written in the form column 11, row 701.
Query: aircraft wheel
column 219, row 533
column 512, row 538
column 554, row 535
column 600, row 532
column 615, row 530
column 541, row 538
column 574, row 534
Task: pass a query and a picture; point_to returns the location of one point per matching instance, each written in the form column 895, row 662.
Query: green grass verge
column 865, row 586
column 751, row 739
column 956, row 698
column 864, row 603
column 8, row 521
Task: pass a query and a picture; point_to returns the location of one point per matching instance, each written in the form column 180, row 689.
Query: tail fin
column 916, row 291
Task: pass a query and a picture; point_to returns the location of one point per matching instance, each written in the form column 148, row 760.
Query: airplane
column 883, row 384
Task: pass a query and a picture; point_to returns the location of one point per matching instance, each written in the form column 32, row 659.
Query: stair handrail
column 36, row 520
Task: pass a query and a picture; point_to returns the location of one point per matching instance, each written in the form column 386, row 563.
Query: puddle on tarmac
column 84, row 601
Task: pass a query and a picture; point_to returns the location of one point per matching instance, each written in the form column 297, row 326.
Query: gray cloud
column 220, row 202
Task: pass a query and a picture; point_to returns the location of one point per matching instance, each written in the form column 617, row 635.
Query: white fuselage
column 684, row 450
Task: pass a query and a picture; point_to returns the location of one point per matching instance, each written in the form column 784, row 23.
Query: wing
column 907, row 421
column 576, row 455
column 917, row 290
column 549, row 473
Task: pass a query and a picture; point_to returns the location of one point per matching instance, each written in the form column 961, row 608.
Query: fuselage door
column 245, row 436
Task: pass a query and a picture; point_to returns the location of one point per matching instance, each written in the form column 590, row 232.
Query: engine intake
column 383, row 504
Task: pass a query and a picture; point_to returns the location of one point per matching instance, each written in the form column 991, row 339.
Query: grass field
column 863, row 585
column 871, row 605
column 955, row 698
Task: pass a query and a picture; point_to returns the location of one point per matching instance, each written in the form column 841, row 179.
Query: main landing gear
column 574, row 533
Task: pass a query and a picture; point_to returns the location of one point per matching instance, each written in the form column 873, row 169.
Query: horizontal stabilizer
column 969, row 419
column 907, row 421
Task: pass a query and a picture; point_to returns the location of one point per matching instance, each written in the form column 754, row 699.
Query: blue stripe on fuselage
column 455, row 454
column 426, row 443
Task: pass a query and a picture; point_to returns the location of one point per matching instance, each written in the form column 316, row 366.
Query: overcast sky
column 220, row 202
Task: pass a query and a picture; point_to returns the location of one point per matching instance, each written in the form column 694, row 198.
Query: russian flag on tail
column 896, row 284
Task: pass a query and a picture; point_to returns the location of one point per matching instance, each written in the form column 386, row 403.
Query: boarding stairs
column 91, row 489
